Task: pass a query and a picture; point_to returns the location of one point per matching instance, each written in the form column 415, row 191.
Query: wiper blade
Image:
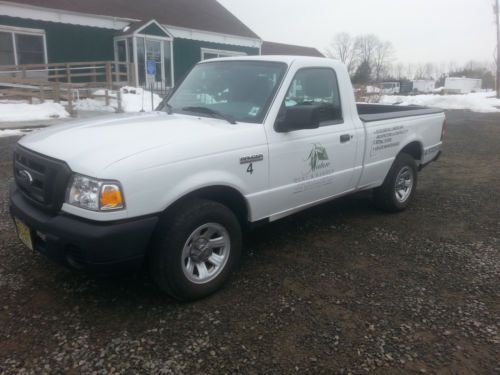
column 212, row 112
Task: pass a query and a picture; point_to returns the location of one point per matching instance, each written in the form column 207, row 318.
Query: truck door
column 309, row 165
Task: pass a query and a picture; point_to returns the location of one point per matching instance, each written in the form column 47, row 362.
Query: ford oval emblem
column 25, row 176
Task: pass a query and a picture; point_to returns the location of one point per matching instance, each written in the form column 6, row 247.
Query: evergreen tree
column 363, row 73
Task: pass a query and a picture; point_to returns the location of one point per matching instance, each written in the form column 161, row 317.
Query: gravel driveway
column 341, row 288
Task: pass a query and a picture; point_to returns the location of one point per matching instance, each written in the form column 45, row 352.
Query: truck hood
column 92, row 146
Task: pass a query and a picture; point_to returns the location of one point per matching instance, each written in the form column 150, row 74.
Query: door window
column 316, row 86
column 153, row 53
column 141, row 61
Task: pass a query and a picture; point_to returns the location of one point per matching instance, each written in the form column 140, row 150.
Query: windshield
column 239, row 90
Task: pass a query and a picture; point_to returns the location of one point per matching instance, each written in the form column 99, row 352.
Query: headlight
column 93, row 194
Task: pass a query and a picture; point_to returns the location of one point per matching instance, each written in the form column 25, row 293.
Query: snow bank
column 14, row 132
column 136, row 99
column 484, row 102
column 15, row 111
column 93, row 105
column 373, row 90
column 133, row 100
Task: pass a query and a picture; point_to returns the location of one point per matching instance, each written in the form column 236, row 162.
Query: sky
column 438, row 31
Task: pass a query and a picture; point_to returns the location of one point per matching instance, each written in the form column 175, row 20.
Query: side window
column 316, row 86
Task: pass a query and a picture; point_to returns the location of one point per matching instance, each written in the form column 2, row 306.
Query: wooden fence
column 101, row 73
column 65, row 82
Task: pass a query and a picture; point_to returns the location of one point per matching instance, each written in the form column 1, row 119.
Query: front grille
column 42, row 180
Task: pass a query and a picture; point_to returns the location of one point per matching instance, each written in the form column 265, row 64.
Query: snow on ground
column 14, row 132
column 136, row 99
column 14, row 111
column 373, row 90
column 133, row 100
column 484, row 102
column 94, row 105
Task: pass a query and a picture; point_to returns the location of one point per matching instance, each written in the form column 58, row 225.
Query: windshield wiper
column 210, row 112
column 164, row 104
column 170, row 109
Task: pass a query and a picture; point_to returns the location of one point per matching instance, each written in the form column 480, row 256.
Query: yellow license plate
column 24, row 233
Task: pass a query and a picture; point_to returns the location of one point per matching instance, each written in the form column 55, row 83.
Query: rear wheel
column 398, row 189
column 194, row 253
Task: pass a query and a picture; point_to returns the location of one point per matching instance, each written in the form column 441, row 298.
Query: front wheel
column 195, row 252
column 399, row 186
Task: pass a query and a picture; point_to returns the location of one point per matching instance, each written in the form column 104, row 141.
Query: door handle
column 346, row 138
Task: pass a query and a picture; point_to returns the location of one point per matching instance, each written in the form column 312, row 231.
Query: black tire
column 171, row 236
column 385, row 196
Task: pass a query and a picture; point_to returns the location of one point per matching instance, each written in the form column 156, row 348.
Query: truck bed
column 379, row 112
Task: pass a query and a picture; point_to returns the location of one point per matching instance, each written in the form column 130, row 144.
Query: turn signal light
column 111, row 197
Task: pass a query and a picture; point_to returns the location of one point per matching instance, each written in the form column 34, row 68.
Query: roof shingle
column 271, row 48
column 206, row 15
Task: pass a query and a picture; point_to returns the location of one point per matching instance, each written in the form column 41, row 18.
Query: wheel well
column 225, row 195
column 413, row 149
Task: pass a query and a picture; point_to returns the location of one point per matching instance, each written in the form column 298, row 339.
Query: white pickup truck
column 241, row 141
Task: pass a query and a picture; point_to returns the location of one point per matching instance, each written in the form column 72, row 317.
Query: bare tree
column 343, row 48
column 399, row 70
column 410, row 71
column 383, row 54
column 420, row 71
column 452, row 66
column 430, row 70
column 366, row 46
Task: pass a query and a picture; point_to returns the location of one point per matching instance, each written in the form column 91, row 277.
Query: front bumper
column 84, row 244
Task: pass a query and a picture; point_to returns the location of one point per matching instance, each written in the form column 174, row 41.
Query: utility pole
column 497, row 17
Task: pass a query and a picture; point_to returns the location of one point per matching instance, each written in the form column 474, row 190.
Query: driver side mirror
column 299, row 117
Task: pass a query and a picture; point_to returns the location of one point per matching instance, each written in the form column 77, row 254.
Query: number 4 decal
column 250, row 168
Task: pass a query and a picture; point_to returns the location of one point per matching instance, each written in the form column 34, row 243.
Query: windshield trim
column 267, row 106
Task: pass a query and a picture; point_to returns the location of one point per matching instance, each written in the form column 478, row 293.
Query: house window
column 19, row 46
column 207, row 53
column 6, row 49
column 30, row 49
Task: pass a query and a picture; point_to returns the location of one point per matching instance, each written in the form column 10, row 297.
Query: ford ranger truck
column 240, row 141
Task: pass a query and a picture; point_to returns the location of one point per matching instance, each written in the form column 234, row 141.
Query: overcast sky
column 420, row 30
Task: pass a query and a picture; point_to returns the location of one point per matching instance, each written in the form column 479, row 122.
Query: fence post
column 106, row 95
column 71, row 107
column 119, row 100
column 109, row 77
column 42, row 93
column 56, row 92
column 68, row 73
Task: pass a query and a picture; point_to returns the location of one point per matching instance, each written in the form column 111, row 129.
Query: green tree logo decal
column 317, row 154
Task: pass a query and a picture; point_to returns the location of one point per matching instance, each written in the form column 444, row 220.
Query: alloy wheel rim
column 404, row 184
column 205, row 253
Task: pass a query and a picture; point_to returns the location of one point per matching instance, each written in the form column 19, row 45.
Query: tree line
column 370, row 59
